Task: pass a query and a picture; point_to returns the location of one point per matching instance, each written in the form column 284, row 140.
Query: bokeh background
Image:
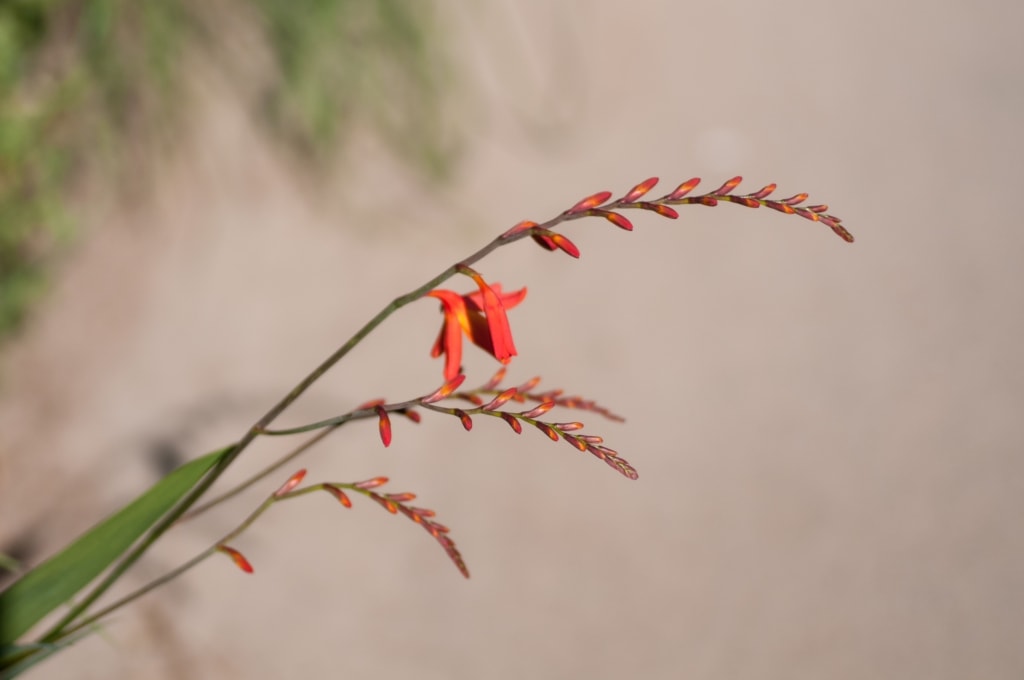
column 829, row 436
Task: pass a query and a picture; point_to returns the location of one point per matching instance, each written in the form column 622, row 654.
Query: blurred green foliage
column 81, row 80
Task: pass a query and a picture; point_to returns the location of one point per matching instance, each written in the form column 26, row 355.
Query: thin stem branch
column 177, row 571
column 262, row 474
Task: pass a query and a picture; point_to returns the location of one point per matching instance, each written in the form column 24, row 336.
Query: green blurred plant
column 83, row 83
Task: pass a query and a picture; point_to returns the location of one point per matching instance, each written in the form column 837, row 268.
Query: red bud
column 445, row 390
column 590, row 202
column 339, row 494
column 384, row 426
column 548, row 430
column 639, row 190
column 567, row 246
column 685, row 188
column 292, row 482
column 237, row 557
column 371, row 483
column 501, row 399
column 616, row 219
column 728, row 186
column 512, row 422
column 663, row 210
column 539, row 410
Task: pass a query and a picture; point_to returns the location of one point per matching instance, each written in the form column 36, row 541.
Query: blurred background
column 199, row 201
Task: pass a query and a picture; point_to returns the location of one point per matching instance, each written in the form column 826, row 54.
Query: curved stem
column 262, row 474
column 174, row 573
column 326, row 426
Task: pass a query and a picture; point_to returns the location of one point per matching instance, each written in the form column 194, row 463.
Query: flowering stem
column 59, row 629
column 592, row 206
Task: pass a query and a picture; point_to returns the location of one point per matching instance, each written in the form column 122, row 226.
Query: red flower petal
column 481, row 316
column 502, row 346
column 449, row 341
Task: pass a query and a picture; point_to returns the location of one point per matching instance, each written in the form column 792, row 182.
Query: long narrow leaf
column 55, row 581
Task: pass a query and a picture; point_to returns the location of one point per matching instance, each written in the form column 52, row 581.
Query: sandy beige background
column 829, row 437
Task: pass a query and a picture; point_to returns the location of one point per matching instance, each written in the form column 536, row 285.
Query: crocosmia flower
column 481, row 316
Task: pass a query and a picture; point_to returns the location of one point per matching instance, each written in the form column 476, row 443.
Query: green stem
column 344, row 418
column 262, row 474
column 177, row 571
column 328, row 426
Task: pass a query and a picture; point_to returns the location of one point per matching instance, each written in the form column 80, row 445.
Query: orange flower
column 481, row 316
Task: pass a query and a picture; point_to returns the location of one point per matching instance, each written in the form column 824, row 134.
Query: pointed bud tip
column 685, row 188
column 589, row 202
column 238, row 558
column 384, row 426
column 640, row 189
column 292, row 482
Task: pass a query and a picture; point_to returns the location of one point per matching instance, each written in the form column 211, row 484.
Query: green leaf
column 8, row 563
column 55, row 581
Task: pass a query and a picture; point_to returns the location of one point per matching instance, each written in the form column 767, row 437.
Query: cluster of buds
column 398, row 503
column 567, row 431
column 600, row 205
column 395, row 503
column 482, row 315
